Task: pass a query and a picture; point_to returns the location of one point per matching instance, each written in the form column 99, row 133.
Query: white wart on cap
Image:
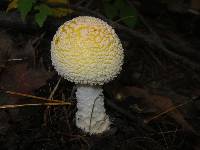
column 86, row 50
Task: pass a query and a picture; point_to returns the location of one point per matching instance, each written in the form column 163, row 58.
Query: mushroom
column 88, row 52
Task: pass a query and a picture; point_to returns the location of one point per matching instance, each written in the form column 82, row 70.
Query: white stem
column 91, row 116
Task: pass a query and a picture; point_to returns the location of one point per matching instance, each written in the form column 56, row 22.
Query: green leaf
column 41, row 16
column 110, row 11
column 119, row 8
column 127, row 14
column 25, row 6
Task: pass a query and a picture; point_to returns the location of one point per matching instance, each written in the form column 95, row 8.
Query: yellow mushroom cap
column 86, row 50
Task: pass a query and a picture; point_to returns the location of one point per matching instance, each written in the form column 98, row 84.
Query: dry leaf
column 155, row 102
column 21, row 78
column 12, row 5
column 18, row 75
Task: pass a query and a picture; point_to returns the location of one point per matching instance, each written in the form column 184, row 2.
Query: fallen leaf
column 157, row 102
column 18, row 76
column 21, row 78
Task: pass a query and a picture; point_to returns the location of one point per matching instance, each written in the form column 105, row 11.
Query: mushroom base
column 91, row 116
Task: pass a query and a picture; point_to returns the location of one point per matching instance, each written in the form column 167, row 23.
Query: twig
column 32, row 96
column 80, row 2
column 55, row 88
column 163, row 136
column 72, row 92
column 46, row 111
column 26, row 105
column 166, row 111
column 180, row 46
column 167, row 132
column 124, row 18
column 157, row 60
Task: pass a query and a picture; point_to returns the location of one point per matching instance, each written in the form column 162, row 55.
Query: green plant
column 121, row 10
column 40, row 9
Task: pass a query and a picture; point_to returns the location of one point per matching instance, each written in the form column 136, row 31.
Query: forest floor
column 154, row 104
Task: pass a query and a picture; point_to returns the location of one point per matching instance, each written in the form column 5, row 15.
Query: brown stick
column 34, row 97
column 28, row 105
column 166, row 111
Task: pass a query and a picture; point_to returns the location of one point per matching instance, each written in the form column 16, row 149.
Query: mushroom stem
column 91, row 116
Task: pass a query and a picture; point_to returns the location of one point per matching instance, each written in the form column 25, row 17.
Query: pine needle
column 28, row 105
